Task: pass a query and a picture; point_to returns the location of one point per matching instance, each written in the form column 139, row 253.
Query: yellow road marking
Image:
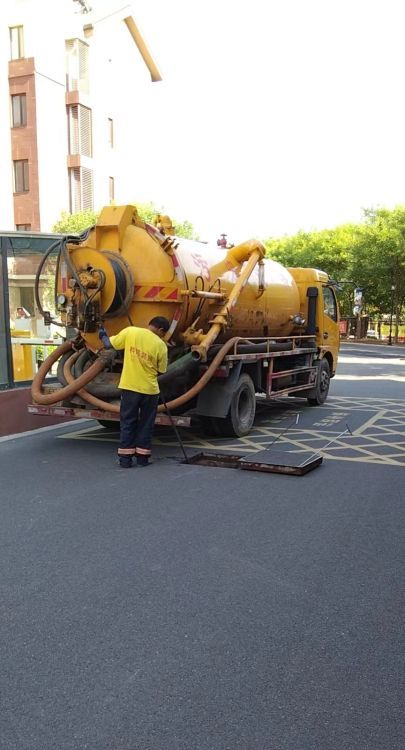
column 387, row 419
column 371, row 421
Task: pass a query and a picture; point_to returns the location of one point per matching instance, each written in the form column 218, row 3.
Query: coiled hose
column 68, row 390
column 77, row 386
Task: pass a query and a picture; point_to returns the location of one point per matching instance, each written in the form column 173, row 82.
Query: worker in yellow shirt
column 145, row 357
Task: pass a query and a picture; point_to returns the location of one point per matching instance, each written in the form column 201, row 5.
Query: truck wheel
column 321, row 389
column 109, row 424
column 208, row 425
column 242, row 411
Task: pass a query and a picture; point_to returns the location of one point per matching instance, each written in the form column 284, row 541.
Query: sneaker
column 125, row 464
column 142, row 461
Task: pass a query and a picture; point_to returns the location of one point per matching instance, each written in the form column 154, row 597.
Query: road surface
column 193, row 608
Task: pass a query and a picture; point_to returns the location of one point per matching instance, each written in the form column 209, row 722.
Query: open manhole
column 276, row 462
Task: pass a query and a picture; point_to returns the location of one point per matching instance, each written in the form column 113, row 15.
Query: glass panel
column 19, row 110
column 3, row 335
column 16, row 42
column 31, row 339
column 329, row 302
column 21, row 176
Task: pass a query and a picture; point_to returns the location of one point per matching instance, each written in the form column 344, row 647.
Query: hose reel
column 124, row 286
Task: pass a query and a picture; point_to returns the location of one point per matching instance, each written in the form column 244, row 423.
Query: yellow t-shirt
column 145, row 358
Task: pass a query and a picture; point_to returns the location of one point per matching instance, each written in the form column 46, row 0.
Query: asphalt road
column 191, row 608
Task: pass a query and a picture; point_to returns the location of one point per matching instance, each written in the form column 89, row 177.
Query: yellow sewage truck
column 242, row 325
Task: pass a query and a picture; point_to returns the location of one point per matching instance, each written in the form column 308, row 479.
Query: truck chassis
column 227, row 404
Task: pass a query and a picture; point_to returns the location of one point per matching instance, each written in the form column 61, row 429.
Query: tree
column 370, row 254
column 75, row 223
column 379, row 261
column 148, row 211
column 329, row 250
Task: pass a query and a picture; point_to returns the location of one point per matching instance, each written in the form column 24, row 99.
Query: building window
column 21, row 176
column 77, row 66
column 16, row 42
column 110, row 132
column 19, row 110
column 81, row 189
column 23, row 227
column 80, row 130
column 111, row 188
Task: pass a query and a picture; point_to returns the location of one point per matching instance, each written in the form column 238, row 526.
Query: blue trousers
column 137, row 419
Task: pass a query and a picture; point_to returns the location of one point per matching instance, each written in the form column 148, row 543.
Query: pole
column 174, row 427
column 347, row 431
column 391, row 314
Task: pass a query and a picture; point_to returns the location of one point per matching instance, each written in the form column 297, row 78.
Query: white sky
column 274, row 115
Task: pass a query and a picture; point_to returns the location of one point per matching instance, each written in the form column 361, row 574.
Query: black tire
column 211, row 426
column 321, row 389
column 109, row 424
column 206, row 425
column 242, row 412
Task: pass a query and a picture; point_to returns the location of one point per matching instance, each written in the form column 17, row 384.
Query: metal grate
column 77, row 65
column 81, row 189
column 80, row 130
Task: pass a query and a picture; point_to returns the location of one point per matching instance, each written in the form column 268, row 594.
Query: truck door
column 331, row 336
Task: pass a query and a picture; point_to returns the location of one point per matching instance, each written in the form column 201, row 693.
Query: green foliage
column 371, row 255
column 380, row 258
column 185, row 229
column 148, row 211
column 75, row 223
column 328, row 250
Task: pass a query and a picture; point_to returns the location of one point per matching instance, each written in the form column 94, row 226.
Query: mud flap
column 215, row 399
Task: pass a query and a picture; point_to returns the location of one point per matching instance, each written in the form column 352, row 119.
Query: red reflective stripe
column 126, row 451
column 153, row 292
column 137, row 288
column 173, row 294
column 143, row 452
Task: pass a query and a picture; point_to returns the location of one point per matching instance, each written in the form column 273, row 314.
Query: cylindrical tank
column 147, row 274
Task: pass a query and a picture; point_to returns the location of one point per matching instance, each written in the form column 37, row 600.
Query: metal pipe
column 204, row 295
column 251, row 252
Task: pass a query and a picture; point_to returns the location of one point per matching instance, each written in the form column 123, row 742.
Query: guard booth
column 25, row 341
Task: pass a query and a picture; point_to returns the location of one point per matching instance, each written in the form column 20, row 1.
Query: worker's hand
column 102, row 332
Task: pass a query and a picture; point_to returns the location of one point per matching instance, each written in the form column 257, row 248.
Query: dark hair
column 160, row 322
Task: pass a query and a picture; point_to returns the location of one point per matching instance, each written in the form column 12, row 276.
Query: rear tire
column 109, row 424
column 242, row 411
column 321, row 389
column 209, row 425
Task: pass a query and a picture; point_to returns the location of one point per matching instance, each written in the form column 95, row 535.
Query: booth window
column 27, row 340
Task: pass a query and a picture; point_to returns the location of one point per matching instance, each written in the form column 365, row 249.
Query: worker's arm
column 103, row 336
column 113, row 342
column 162, row 361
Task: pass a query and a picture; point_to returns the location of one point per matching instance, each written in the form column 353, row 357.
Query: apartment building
column 65, row 71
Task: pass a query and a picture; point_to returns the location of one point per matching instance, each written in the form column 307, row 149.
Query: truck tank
column 147, row 273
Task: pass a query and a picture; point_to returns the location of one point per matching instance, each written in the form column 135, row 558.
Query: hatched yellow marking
column 387, row 419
